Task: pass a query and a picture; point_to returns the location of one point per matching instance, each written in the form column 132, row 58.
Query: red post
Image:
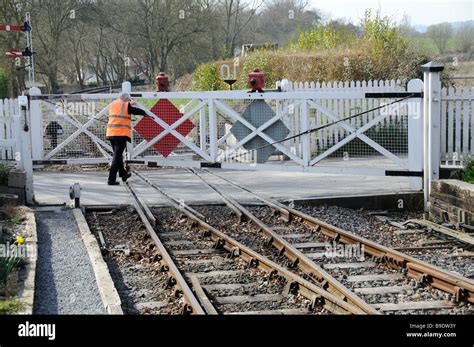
column 256, row 81
column 162, row 82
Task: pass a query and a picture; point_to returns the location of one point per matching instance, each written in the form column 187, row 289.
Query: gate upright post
column 127, row 88
column 431, row 126
column 36, row 123
column 203, row 129
column 212, row 130
column 26, row 156
column 415, row 133
column 305, row 139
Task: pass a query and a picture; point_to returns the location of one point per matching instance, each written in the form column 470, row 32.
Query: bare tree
column 13, row 13
column 465, row 38
column 157, row 28
column 280, row 20
column 77, row 39
column 440, row 33
column 54, row 19
column 237, row 14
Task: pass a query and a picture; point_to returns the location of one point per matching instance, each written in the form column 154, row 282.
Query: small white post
column 18, row 129
column 203, row 129
column 305, row 139
column 212, row 130
column 127, row 88
column 25, row 149
column 415, row 133
column 431, row 128
column 36, row 123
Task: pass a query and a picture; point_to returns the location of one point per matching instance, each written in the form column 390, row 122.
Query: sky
column 421, row 12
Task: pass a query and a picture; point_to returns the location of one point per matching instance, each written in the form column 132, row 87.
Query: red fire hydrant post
column 256, row 81
column 162, row 82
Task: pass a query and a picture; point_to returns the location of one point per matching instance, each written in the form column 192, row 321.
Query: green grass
column 6, row 267
column 10, row 306
column 426, row 45
column 4, row 171
column 469, row 171
column 16, row 220
column 3, row 84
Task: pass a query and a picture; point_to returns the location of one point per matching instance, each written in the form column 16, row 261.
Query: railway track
column 404, row 232
column 199, row 270
column 387, row 280
column 331, row 285
column 268, row 258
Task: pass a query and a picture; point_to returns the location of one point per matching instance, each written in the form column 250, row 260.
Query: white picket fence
column 457, row 125
column 9, row 111
column 376, row 86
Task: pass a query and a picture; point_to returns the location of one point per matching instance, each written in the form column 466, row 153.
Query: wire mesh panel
column 375, row 138
column 253, row 131
column 75, row 129
column 299, row 130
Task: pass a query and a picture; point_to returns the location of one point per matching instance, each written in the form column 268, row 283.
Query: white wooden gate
column 369, row 128
column 222, row 129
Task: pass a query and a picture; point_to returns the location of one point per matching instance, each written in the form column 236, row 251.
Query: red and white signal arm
column 14, row 53
column 11, row 27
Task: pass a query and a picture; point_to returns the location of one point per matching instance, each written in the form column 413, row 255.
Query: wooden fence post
column 431, row 126
column 415, row 133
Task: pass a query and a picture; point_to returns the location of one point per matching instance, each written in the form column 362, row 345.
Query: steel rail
column 192, row 304
column 298, row 259
column 462, row 288
column 169, row 197
column 311, row 291
column 460, row 236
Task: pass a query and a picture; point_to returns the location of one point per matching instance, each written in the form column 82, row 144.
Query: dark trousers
column 118, row 145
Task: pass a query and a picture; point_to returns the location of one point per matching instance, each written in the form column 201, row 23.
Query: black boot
column 126, row 177
column 113, row 183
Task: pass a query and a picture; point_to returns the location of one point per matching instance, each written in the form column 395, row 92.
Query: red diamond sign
column 149, row 129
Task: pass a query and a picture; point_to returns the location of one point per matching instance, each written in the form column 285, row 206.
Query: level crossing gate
column 360, row 130
column 234, row 130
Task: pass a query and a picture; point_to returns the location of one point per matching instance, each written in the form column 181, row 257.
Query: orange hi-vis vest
column 120, row 121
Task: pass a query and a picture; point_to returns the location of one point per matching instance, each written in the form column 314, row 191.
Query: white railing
column 9, row 118
column 457, row 125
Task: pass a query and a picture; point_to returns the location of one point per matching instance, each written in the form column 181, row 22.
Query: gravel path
column 65, row 282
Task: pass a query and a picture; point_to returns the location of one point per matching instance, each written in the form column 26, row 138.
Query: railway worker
column 119, row 132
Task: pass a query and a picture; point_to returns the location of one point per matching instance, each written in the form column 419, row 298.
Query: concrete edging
column 412, row 201
column 105, row 284
column 26, row 291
